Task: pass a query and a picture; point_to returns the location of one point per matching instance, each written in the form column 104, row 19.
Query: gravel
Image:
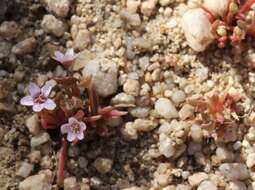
column 165, row 108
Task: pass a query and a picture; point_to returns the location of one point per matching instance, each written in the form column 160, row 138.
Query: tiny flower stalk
column 38, row 98
column 61, row 163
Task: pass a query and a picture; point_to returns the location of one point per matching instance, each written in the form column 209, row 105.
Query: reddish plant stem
column 61, row 163
column 245, row 7
column 209, row 14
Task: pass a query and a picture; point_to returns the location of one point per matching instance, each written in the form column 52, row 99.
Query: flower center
column 40, row 99
column 75, row 127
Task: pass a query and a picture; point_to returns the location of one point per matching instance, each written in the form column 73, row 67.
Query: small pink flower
column 74, row 129
column 38, row 98
column 67, row 58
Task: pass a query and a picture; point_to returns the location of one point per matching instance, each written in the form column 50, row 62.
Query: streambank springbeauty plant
column 74, row 109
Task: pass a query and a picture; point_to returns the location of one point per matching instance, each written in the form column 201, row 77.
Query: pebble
column 83, row 162
column 70, row 183
column 73, row 151
column 234, row 171
column 82, row 40
column 178, row 97
column 35, row 156
column 140, row 112
column 104, row 76
column 24, row 47
column 147, row 7
column 123, row 99
column 252, row 186
column 198, row 38
column 250, row 162
column 183, row 187
column 187, row 111
column 103, row 165
column 25, row 169
column 236, row 185
column 197, row 178
column 33, row 125
column 166, row 146
column 196, row 133
column 9, row 30
column 217, row 7
column 83, row 58
column 39, row 139
column 165, row 108
column 52, row 25
column 129, row 132
column 224, row 155
column 144, row 125
column 131, row 87
column 40, row 181
column 58, row 7
column 207, row 185
column 134, row 188
column 132, row 5
column 133, row 19
column 5, row 49
column 165, row 2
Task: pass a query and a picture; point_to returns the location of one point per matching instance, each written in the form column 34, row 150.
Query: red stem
column 246, row 6
column 209, row 14
column 61, row 163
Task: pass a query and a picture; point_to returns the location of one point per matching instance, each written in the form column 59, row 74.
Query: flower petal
column 49, row 104
column 33, row 89
column 80, row 135
column 69, row 52
column 58, row 56
column 27, row 101
column 82, row 126
column 46, row 89
column 71, row 137
column 65, row 128
column 72, row 120
column 37, row 107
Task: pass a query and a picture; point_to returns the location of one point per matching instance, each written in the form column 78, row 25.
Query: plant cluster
column 68, row 109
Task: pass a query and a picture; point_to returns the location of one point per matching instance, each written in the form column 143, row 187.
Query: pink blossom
column 38, row 98
column 74, row 129
column 67, row 58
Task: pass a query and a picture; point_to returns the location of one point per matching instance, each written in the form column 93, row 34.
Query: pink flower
column 67, row 58
column 74, row 129
column 38, row 98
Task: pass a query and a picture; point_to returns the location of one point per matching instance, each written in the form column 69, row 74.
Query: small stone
column 134, row 188
column 129, row 132
column 183, row 187
column 35, row 156
column 207, row 185
column 234, row 171
column 250, row 162
column 140, row 112
column 83, row 162
column 39, row 139
column 198, row 38
column 178, row 96
column 5, row 49
column 33, row 124
column 123, row 99
column 132, row 5
column 147, row 7
column 216, row 7
column 144, row 125
column 166, row 109
column 95, row 182
column 196, row 133
column 166, row 146
column 73, row 151
column 82, row 40
column 197, row 178
column 46, row 162
column 224, row 155
column 104, row 75
column 70, row 183
column 103, row 165
column 25, row 169
column 252, row 186
column 41, row 181
column 186, row 112
column 59, row 7
column 83, row 58
column 131, row 87
column 52, row 25
column 142, row 44
column 165, row 2
column 9, row 30
column 133, row 19
column 24, row 47
column 236, row 185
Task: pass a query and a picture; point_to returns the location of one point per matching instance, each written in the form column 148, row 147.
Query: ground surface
column 161, row 144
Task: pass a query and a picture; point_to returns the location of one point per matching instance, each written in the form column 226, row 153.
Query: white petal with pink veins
column 80, row 136
column 27, row 101
column 37, row 107
column 49, row 104
column 71, row 137
column 33, row 89
column 46, row 89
